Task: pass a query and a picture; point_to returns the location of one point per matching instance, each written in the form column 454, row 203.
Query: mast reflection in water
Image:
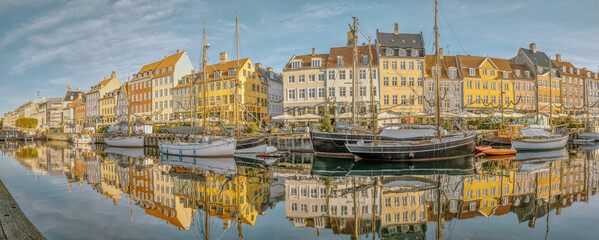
column 132, row 193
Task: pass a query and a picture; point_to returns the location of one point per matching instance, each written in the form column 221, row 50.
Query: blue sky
column 45, row 44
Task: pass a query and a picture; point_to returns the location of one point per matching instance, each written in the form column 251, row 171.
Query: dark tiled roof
column 275, row 76
column 402, row 40
column 538, row 58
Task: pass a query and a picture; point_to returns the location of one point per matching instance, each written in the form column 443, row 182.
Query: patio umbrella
column 284, row 117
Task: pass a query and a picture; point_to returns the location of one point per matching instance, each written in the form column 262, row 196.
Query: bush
column 325, row 124
column 252, row 128
column 26, row 123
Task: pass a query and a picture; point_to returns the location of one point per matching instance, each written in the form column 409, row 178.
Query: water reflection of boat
column 126, row 152
column 334, row 167
column 546, row 155
column 217, row 165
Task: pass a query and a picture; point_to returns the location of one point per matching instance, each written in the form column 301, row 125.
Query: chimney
column 558, row 57
column 258, row 65
column 165, row 56
column 269, row 69
column 440, row 53
column 313, row 51
column 533, row 47
column 350, row 39
column 178, row 51
column 113, row 75
column 104, row 78
column 584, row 69
column 224, row 57
column 396, row 29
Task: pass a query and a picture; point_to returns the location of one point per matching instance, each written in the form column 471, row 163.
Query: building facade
column 401, row 57
column 275, row 89
column 524, row 88
column 339, row 79
column 450, row 84
column 165, row 76
column 546, row 75
column 303, row 77
column 92, row 98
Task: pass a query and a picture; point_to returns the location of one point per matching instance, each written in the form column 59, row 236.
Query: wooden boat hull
column 499, row 152
column 433, row 151
column 333, row 144
column 125, row 142
column 217, row 148
column 540, row 144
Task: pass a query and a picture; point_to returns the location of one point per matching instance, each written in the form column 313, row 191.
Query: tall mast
column 204, row 48
column 501, row 101
column 437, row 72
column 192, row 102
column 128, row 106
column 550, row 94
column 237, row 67
column 372, row 106
column 355, row 74
column 586, row 103
column 537, row 90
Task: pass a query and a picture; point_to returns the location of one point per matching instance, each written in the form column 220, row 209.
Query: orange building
column 79, row 106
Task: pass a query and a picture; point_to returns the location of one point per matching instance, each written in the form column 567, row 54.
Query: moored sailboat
column 533, row 138
column 206, row 146
column 445, row 146
column 126, row 141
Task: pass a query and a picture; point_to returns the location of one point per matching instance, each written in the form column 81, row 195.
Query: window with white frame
column 472, row 72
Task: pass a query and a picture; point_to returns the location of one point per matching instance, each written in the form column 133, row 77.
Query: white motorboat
column 206, row 147
column 84, row 140
column 125, row 142
column 534, row 138
column 589, row 135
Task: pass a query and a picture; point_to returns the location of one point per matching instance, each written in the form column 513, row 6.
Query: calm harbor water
column 82, row 192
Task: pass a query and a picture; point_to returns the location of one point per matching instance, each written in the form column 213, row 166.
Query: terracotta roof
column 563, row 64
column 467, row 62
column 164, row 63
column 502, row 64
column 444, row 63
column 307, row 60
column 348, row 55
column 523, row 68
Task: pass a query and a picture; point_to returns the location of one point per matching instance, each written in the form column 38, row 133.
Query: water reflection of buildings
column 388, row 204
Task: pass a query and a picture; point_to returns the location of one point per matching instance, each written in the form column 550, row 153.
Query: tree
column 26, row 122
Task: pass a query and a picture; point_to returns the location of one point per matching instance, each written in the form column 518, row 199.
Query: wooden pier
column 13, row 222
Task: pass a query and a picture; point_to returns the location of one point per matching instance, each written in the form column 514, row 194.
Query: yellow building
column 401, row 60
column 402, row 209
column 221, row 82
column 108, row 105
column 488, row 83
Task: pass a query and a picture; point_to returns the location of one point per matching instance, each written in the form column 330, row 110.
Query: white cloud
column 112, row 37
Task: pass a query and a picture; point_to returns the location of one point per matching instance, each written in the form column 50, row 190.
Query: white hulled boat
column 534, row 138
column 125, row 142
column 207, row 147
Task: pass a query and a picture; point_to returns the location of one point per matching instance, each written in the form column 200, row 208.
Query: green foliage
column 489, row 167
column 447, row 125
column 325, row 124
column 26, row 123
column 102, row 129
column 251, row 129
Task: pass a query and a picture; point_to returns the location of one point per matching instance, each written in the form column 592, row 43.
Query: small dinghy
column 499, row 152
column 482, row 148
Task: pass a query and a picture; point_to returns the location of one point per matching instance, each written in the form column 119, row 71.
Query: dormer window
column 216, row 74
column 339, row 60
column 472, row 72
column 389, row 52
column 315, row 63
column 434, row 71
column 578, row 71
column 453, row 73
column 170, row 68
column 570, row 70
column 157, row 72
column 402, row 52
column 414, row 52
column 527, row 73
column 163, row 70
column 230, row 72
column 296, row 64
column 588, row 74
column 364, row 59
column 504, row 74
column 595, row 76
column 539, row 70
